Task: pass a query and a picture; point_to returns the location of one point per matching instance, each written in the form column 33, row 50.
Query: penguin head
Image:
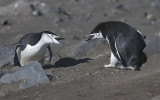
column 50, row 37
column 94, row 35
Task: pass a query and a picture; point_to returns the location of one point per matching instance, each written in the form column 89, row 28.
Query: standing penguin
column 126, row 44
column 32, row 47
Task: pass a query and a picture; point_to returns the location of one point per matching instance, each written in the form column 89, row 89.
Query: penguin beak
column 89, row 37
column 56, row 39
column 59, row 38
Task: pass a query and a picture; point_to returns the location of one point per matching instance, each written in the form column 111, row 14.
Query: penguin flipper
column 50, row 52
column 114, row 49
column 16, row 61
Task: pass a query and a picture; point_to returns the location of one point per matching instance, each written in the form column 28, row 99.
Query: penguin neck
column 42, row 43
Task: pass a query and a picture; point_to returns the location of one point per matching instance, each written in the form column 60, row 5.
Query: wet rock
column 82, row 48
column 29, row 75
column 7, row 56
column 155, row 4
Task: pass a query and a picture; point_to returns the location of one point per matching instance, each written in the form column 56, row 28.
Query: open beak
column 89, row 37
column 56, row 39
column 59, row 38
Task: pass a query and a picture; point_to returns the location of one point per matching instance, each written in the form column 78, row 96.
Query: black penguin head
column 51, row 37
column 94, row 35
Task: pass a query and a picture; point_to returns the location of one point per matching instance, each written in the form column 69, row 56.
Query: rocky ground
column 76, row 71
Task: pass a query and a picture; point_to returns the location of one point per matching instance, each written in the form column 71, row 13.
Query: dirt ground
column 87, row 79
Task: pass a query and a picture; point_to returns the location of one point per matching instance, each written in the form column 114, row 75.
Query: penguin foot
column 109, row 66
column 133, row 68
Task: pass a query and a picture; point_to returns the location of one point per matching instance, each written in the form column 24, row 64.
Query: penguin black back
column 31, row 39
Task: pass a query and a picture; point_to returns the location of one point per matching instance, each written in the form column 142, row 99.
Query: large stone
column 28, row 75
column 7, row 56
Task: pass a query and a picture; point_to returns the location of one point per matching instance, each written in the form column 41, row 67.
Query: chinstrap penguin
column 32, row 47
column 126, row 44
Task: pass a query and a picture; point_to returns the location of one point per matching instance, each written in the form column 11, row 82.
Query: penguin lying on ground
column 126, row 44
column 32, row 47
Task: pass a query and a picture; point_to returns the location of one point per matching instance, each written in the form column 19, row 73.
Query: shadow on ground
column 67, row 62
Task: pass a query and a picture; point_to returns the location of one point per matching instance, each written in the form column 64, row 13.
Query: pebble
column 32, row 7
column 4, row 22
column 58, row 20
column 119, row 7
column 144, row 14
column 37, row 13
column 58, row 76
column 88, row 73
column 105, row 14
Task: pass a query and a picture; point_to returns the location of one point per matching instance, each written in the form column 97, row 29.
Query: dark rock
column 32, row 7
column 7, row 56
column 28, row 75
column 144, row 14
column 105, row 14
column 119, row 7
column 4, row 22
column 155, row 4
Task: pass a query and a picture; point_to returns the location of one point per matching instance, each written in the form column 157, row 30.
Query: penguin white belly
column 32, row 53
